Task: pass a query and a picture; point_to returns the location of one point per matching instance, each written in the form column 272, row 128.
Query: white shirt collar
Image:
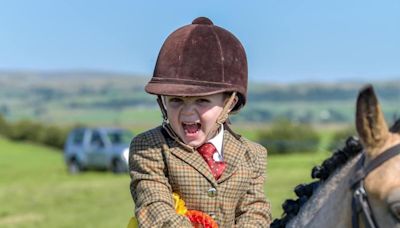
column 217, row 142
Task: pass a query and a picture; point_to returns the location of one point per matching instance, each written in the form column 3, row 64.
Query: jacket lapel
column 234, row 151
column 194, row 159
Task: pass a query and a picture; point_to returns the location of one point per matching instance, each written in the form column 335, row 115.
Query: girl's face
column 192, row 118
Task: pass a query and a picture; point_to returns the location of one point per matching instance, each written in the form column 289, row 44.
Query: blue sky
column 286, row 41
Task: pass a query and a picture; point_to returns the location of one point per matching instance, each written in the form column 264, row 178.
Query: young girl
column 200, row 78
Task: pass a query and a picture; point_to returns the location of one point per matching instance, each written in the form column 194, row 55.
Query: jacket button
column 212, row 192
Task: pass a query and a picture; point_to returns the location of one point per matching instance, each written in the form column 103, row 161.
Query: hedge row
column 26, row 130
column 281, row 138
column 285, row 137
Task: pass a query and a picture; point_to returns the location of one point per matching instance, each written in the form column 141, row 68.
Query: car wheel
column 74, row 167
column 118, row 166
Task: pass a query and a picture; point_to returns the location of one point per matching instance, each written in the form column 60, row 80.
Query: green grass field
column 36, row 190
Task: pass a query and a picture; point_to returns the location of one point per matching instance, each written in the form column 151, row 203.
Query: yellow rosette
column 197, row 218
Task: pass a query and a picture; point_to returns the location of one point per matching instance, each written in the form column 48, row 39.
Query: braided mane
column 322, row 172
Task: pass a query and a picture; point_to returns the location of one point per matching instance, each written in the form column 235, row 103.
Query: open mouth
column 191, row 128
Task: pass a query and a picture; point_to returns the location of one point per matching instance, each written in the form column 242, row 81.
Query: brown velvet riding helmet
column 200, row 59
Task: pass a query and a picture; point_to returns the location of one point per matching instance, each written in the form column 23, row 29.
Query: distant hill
column 92, row 97
column 54, row 78
column 388, row 90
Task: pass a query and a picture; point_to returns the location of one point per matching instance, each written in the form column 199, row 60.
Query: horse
column 359, row 186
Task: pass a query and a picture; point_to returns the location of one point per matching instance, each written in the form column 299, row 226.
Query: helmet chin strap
column 162, row 108
column 223, row 116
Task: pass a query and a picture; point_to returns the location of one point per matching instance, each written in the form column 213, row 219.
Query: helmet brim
column 182, row 90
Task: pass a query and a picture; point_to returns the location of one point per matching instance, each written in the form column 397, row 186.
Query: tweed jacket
column 160, row 166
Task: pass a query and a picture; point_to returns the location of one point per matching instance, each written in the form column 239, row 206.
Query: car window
column 120, row 137
column 96, row 139
column 77, row 138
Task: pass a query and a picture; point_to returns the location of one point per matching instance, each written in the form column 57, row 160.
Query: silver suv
column 97, row 148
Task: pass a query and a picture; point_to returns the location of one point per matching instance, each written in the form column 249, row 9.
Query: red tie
column 207, row 150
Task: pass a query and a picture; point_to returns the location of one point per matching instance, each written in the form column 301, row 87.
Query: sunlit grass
column 285, row 172
column 36, row 190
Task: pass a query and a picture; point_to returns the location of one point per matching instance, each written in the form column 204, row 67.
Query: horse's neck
column 330, row 205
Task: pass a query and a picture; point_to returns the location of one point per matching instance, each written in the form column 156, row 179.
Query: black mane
column 304, row 191
column 322, row 172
